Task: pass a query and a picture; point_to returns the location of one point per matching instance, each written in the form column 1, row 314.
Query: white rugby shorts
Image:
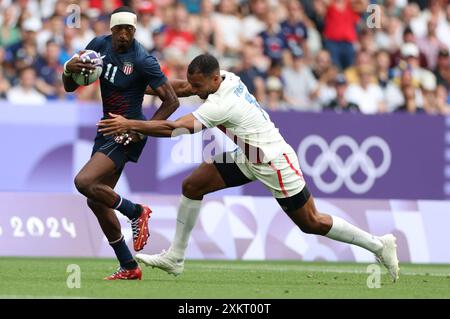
column 282, row 176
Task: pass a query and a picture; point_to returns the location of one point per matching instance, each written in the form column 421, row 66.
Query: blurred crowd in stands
column 306, row 55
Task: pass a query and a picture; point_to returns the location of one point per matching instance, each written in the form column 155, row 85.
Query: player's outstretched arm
column 169, row 100
column 182, row 88
column 117, row 124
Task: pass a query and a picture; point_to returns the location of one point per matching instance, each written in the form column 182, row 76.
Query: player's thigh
column 285, row 181
column 281, row 176
column 233, row 168
column 210, row 177
column 116, row 153
column 289, row 189
column 112, row 179
column 99, row 167
column 204, row 179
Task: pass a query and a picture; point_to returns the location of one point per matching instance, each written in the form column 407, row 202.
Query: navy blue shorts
column 118, row 153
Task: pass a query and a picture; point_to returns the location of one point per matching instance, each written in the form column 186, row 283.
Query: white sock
column 188, row 212
column 347, row 233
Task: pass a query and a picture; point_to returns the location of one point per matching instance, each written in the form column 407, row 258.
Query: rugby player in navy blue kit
column 127, row 71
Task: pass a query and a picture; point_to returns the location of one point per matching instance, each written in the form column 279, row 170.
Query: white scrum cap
column 123, row 18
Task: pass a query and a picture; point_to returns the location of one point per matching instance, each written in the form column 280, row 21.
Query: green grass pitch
column 47, row 278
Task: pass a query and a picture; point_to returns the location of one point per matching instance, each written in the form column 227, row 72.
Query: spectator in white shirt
column 84, row 34
column 403, row 93
column 25, row 92
column 367, row 95
column 301, row 87
column 254, row 24
column 228, row 19
column 430, row 44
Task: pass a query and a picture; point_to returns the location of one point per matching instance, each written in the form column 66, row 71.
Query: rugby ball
column 86, row 78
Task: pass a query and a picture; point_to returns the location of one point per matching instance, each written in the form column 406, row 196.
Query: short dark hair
column 407, row 30
column 50, row 42
column 123, row 9
column 204, row 63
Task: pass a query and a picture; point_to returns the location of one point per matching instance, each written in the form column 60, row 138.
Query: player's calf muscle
column 104, row 194
column 311, row 221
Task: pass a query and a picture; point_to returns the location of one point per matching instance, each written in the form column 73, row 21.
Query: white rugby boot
column 388, row 255
column 164, row 261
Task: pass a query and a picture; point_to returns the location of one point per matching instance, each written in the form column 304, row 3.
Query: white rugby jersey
column 237, row 113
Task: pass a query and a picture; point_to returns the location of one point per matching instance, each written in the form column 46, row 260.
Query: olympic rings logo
column 344, row 170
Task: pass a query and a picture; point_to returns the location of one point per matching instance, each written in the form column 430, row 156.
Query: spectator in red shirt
column 178, row 34
column 105, row 6
column 341, row 19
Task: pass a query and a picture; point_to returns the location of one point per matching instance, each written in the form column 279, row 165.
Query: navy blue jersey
column 274, row 44
column 125, row 77
column 294, row 34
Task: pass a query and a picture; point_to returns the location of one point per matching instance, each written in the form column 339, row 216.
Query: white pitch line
column 311, row 269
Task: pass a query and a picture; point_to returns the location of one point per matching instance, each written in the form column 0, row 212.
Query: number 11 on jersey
column 108, row 69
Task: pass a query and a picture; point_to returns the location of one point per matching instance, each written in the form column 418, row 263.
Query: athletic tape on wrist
column 67, row 72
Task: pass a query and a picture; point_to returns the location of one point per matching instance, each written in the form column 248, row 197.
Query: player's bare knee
column 83, row 184
column 191, row 189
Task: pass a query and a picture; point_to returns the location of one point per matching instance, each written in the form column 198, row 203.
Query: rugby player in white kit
column 262, row 154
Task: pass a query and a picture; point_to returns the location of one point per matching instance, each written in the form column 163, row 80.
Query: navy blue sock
column 127, row 207
column 123, row 254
